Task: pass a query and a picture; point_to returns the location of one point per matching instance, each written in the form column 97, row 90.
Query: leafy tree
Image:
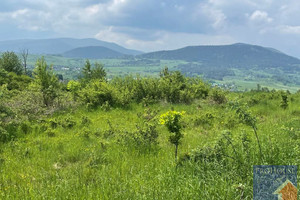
column 10, row 62
column 47, row 81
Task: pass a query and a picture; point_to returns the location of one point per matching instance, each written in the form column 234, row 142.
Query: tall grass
column 87, row 154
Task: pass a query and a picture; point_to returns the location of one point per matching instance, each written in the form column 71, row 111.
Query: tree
column 87, row 70
column 10, row 62
column 90, row 73
column 172, row 120
column 47, row 81
column 98, row 71
column 24, row 54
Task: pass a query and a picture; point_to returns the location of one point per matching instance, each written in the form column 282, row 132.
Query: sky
column 150, row 25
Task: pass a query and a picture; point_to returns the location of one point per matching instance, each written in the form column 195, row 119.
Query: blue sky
column 150, row 25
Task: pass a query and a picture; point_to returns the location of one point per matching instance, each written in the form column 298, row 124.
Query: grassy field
column 96, row 154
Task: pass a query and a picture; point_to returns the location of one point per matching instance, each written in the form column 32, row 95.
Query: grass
column 96, row 161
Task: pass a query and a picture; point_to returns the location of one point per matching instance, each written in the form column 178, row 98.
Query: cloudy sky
column 149, row 25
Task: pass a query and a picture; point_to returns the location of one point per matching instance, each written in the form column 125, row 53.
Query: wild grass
column 93, row 154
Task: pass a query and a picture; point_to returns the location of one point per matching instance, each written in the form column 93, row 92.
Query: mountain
column 92, row 52
column 236, row 55
column 59, row 45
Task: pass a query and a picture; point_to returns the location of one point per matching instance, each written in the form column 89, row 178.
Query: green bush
column 4, row 135
column 97, row 93
column 218, row 96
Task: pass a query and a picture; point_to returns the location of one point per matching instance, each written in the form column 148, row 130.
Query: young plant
column 172, row 120
column 249, row 120
column 284, row 102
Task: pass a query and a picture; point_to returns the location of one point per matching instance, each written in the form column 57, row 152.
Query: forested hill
column 235, row 55
column 92, row 52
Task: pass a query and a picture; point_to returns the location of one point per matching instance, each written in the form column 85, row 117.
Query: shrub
column 284, row 102
column 4, row 135
column 206, row 120
column 25, row 127
column 172, row 120
column 85, row 121
column 46, row 80
column 218, row 96
column 74, row 87
column 97, row 93
column 68, row 122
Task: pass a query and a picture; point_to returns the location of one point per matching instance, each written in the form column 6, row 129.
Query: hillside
column 92, row 52
column 235, row 55
column 169, row 137
column 59, row 45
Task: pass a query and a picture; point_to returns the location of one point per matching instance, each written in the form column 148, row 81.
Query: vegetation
column 101, row 138
column 10, row 62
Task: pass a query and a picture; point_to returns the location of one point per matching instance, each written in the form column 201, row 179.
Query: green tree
column 87, row 70
column 98, row 71
column 47, row 81
column 172, row 120
column 10, row 62
column 89, row 73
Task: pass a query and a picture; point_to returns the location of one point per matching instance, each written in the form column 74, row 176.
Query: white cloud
column 151, row 25
column 260, row 16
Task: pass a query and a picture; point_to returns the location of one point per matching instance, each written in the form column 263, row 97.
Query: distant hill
column 235, row 56
column 92, row 52
column 59, row 45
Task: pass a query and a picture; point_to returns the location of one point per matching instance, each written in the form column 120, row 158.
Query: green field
column 100, row 161
column 117, row 139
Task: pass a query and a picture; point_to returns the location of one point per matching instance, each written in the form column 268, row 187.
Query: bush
column 4, row 135
column 97, row 93
column 172, row 120
column 218, row 96
column 206, row 120
column 68, row 122
column 25, row 127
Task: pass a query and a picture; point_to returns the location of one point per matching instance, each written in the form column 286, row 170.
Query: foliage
column 46, row 80
column 97, row 93
column 284, row 102
column 10, row 62
column 96, row 72
column 218, row 96
column 14, row 81
column 74, row 88
column 246, row 117
column 171, row 120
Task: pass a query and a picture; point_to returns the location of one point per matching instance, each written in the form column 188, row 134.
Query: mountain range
column 60, row 45
column 219, row 56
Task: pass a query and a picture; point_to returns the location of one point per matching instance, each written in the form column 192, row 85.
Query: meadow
column 96, row 138
column 97, row 154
